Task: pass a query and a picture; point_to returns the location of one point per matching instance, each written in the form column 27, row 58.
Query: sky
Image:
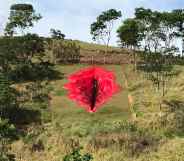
column 73, row 17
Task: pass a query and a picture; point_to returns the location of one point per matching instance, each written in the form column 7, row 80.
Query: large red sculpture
column 92, row 87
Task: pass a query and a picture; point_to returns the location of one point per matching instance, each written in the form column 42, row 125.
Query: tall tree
column 130, row 36
column 149, row 22
column 157, row 44
column 102, row 28
column 178, row 22
column 22, row 16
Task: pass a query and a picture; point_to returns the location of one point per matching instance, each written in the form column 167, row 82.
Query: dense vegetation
column 144, row 122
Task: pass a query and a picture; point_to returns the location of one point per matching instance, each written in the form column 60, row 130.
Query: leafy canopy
column 101, row 29
column 57, row 34
column 21, row 16
column 129, row 33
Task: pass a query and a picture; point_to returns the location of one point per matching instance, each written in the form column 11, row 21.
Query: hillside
column 136, row 124
column 68, row 100
column 96, row 53
column 118, row 131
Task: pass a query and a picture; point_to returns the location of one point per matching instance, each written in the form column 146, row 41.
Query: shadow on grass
column 35, row 72
column 174, row 105
column 24, row 116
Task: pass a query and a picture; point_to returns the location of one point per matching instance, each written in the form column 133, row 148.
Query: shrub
column 77, row 156
column 7, row 134
column 19, row 50
column 7, row 97
column 64, row 51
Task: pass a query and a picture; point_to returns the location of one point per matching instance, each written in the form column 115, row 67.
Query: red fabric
column 81, row 85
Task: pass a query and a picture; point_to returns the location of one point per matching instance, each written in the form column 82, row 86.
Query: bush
column 7, row 134
column 77, row 156
column 16, row 50
column 33, row 72
column 64, row 51
column 7, row 131
column 7, row 97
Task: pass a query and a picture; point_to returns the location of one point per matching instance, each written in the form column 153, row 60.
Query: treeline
column 21, row 60
column 152, row 35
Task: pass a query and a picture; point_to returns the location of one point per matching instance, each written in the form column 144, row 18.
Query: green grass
column 94, row 46
column 69, row 112
column 112, row 133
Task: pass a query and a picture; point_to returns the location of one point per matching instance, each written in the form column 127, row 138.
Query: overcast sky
column 73, row 17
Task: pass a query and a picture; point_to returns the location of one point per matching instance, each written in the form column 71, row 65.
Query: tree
column 158, row 50
column 57, row 34
column 149, row 25
column 178, row 23
column 102, row 28
column 22, row 16
column 130, row 35
column 19, row 50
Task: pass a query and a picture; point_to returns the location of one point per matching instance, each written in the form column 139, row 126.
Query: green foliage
column 64, row 51
column 7, row 131
column 7, row 134
column 130, row 36
column 7, row 97
column 129, row 33
column 5, row 156
column 56, row 34
column 101, row 29
column 154, row 31
column 178, row 21
column 37, row 92
column 21, row 16
column 19, row 50
column 22, row 7
column 34, row 72
column 77, row 156
column 7, row 53
column 27, row 46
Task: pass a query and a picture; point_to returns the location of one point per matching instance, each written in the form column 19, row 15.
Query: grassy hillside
column 94, row 46
column 118, row 131
column 91, row 52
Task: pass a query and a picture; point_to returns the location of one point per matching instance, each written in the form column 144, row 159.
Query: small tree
column 57, row 34
column 77, row 156
column 158, row 49
column 19, row 49
column 102, row 28
column 22, row 16
column 7, row 134
column 130, row 36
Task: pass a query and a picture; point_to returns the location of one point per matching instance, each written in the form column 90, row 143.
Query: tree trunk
column 135, row 60
column 182, row 47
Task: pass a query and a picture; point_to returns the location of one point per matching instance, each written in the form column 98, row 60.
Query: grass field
column 117, row 132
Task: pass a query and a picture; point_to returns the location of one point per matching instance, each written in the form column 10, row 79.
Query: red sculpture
column 92, row 87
